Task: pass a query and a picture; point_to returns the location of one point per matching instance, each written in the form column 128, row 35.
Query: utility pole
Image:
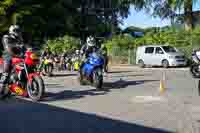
column 82, row 25
column 113, row 18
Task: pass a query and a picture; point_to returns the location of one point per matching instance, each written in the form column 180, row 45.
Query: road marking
column 144, row 99
column 137, row 68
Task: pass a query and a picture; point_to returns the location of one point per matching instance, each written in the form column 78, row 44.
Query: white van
column 155, row 55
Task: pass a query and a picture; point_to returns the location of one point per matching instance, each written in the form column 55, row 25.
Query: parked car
column 155, row 55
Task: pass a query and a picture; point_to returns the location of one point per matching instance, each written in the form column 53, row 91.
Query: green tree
column 52, row 19
column 168, row 8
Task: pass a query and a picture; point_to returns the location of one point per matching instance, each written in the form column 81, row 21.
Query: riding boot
column 6, row 73
column 5, row 88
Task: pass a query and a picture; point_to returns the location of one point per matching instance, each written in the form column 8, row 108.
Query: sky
column 144, row 20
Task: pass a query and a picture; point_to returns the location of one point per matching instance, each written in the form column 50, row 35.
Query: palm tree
column 168, row 8
column 188, row 12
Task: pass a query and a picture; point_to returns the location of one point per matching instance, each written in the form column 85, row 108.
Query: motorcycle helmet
column 90, row 41
column 47, row 48
column 15, row 30
column 103, row 46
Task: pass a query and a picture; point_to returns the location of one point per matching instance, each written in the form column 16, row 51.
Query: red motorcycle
column 24, row 79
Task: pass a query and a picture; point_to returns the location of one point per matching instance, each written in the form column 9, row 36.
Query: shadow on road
column 112, row 72
column 69, row 95
column 107, row 86
column 19, row 116
column 64, row 75
column 123, row 84
column 171, row 67
column 130, row 75
column 53, row 86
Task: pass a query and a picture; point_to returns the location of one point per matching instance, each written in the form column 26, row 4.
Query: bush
column 63, row 43
column 119, row 41
column 186, row 41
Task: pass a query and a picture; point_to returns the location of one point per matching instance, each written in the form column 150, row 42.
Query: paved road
column 131, row 103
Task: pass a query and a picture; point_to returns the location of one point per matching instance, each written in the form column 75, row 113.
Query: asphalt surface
column 131, row 102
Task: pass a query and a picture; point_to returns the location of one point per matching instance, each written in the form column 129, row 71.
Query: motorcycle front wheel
column 98, row 78
column 80, row 78
column 36, row 88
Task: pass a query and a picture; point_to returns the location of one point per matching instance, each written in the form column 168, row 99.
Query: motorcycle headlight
column 34, row 57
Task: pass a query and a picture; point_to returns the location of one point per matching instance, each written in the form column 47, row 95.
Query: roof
column 138, row 34
column 194, row 13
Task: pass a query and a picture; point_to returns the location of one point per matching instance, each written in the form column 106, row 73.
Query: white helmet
column 90, row 41
column 15, row 30
column 77, row 51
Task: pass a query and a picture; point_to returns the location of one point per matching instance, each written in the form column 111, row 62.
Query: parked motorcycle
column 195, row 66
column 24, row 79
column 92, row 71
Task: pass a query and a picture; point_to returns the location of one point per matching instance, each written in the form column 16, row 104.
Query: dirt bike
column 24, row 79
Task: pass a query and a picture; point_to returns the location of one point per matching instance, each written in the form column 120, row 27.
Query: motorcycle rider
column 12, row 43
column 45, row 54
column 89, row 47
column 65, row 54
column 86, row 49
column 77, row 54
column 64, row 59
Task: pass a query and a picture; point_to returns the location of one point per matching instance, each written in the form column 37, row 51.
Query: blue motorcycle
column 92, row 70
